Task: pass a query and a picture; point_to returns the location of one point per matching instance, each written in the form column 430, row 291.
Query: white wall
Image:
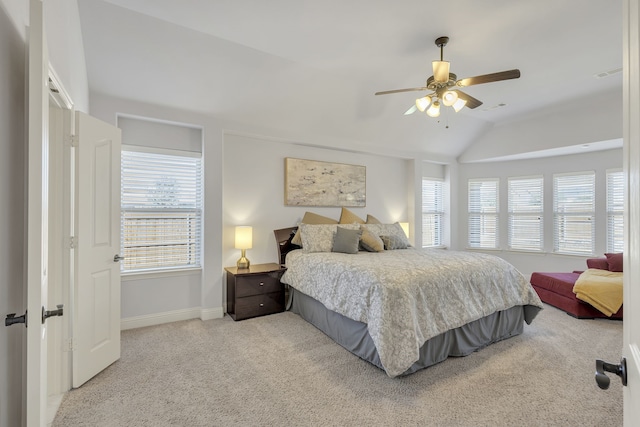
column 12, row 212
column 253, row 192
column 547, row 261
column 64, row 43
column 581, row 121
column 151, row 300
column 66, row 50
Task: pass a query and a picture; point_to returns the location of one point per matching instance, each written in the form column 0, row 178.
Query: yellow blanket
column 600, row 288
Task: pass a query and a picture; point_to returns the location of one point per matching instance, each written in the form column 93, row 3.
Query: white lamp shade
column 244, row 237
column 449, row 98
column 423, row 103
column 434, row 110
column 440, row 71
column 459, row 104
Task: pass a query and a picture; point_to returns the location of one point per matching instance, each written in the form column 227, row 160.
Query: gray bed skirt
column 353, row 335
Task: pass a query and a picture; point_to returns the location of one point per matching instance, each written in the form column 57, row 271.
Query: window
column 615, row 208
column 573, row 213
column 483, row 213
column 432, row 212
column 525, row 199
column 161, row 209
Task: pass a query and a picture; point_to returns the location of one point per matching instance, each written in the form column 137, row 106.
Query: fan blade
column 386, row 92
column 488, row 78
column 411, row 110
column 471, row 101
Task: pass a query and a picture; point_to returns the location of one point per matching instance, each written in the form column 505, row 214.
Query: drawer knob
column 261, row 305
column 261, row 283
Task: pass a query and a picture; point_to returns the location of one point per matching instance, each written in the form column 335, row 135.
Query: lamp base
column 243, row 263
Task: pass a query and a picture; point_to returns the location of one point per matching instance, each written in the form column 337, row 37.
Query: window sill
column 153, row 274
column 485, row 249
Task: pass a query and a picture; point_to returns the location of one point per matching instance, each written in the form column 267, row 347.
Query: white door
column 37, row 219
column 96, row 342
column 631, row 135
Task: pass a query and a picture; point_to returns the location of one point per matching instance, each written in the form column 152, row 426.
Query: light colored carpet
column 279, row 370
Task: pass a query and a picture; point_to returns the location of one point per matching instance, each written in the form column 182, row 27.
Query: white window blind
column 432, row 212
column 161, row 209
column 615, row 209
column 483, row 213
column 525, row 201
column 574, row 213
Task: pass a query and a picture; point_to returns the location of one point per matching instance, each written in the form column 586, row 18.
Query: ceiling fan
column 444, row 87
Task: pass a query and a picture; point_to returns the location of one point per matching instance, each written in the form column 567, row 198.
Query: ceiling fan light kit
column 434, row 110
column 449, row 98
column 445, row 86
column 459, row 104
column 423, row 103
column 440, row 71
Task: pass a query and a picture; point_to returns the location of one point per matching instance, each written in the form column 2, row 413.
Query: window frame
column 589, row 214
column 196, row 210
column 615, row 210
column 486, row 216
column 525, row 212
column 435, row 210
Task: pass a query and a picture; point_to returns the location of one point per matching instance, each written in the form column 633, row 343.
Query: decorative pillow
column 615, row 262
column 393, row 242
column 348, row 217
column 372, row 220
column 319, row 237
column 346, row 240
column 370, row 242
column 389, row 230
column 311, row 218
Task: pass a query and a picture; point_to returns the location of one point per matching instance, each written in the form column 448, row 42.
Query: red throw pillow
column 615, row 262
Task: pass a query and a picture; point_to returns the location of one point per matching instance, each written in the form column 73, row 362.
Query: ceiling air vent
column 607, row 73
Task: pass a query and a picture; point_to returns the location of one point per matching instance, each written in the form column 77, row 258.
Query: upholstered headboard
column 283, row 241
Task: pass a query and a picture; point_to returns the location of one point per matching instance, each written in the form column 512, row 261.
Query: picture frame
column 318, row 183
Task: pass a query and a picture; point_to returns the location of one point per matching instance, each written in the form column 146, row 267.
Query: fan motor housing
column 433, row 85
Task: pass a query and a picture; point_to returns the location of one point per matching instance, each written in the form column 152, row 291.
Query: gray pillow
column 393, row 242
column 346, row 241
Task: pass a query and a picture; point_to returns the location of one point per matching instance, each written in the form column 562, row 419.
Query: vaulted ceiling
column 312, row 67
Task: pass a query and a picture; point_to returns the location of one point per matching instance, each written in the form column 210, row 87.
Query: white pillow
column 319, row 237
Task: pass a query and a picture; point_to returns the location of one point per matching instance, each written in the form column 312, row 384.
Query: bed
column 406, row 309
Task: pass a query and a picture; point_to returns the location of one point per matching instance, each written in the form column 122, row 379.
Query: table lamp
column 244, row 240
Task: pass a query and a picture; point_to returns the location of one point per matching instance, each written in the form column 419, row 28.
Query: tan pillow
column 372, row 220
column 348, row 217
column 370, row 242
column 311, row 218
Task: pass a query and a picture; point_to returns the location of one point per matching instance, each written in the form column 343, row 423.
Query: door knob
column 46, row 313
column 117, row 258
column 620, row 370
column 11, row 319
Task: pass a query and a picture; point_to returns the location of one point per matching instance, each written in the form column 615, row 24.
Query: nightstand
column 255, row 291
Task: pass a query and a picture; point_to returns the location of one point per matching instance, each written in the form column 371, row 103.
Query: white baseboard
column 53, row 404
column 170, row 316
column 211, row 313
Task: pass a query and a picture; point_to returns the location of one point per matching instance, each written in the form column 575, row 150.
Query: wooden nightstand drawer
column 255, row 291
column 259, row 305
column 257, row 284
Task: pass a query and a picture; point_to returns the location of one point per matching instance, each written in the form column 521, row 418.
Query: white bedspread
column 411, row 295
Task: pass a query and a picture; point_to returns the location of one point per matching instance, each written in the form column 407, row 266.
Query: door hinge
column 73, row 242
column 72, row 140
column 69, row 346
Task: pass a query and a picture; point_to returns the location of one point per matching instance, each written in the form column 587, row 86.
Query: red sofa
column 556, row 289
